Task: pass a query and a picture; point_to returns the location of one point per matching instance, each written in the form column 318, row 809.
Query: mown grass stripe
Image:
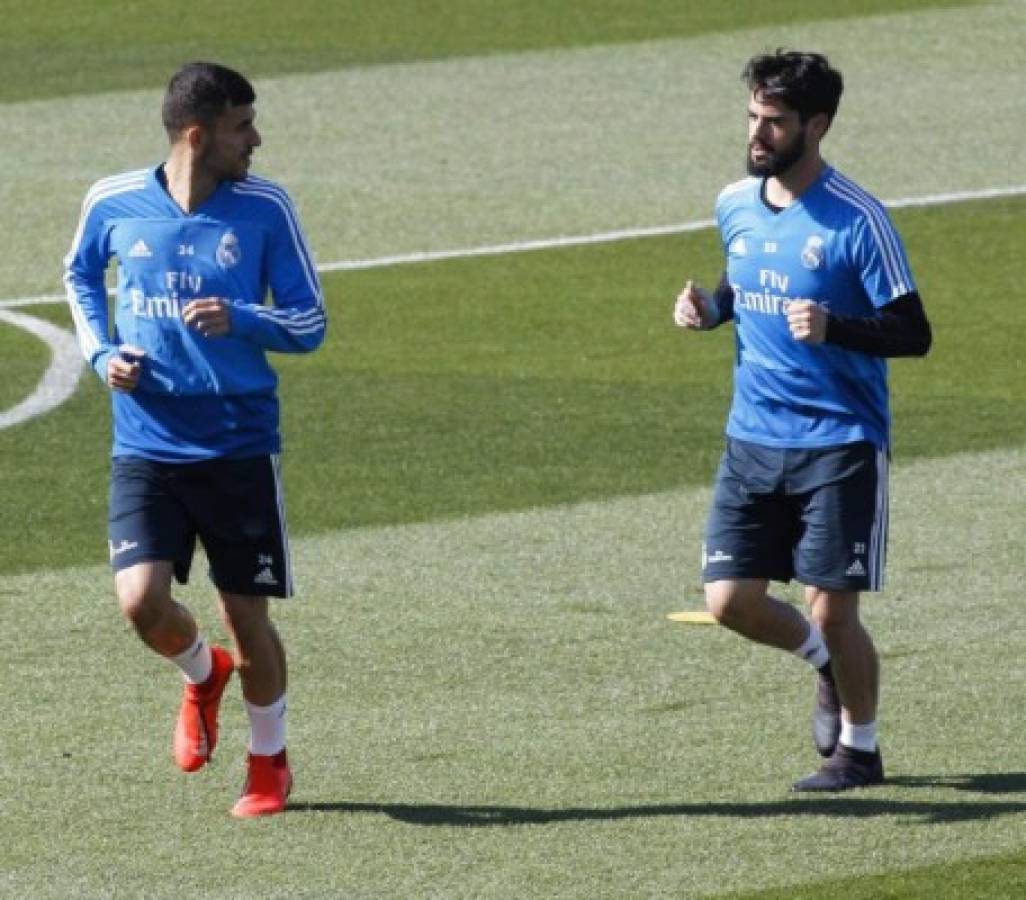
column 579, row 240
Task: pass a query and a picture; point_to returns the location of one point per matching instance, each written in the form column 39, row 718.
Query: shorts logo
column 813, row 252
column 719, row 557
column 228, row 253
column 123, row 547
column 856, row 569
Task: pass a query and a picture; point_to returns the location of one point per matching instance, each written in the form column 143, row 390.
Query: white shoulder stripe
column 260, row 181
column 102, row 190
column 884, row 236
column 281, row 199
column 883, row 231
column 88, row 341
column 115, row 183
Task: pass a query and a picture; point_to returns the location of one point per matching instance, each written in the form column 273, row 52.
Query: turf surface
column 487, row 698
column 482, row 150
column 60, row 47
column 502, row 383
column 499, row 701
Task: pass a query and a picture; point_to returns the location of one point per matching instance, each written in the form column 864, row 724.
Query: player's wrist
column 712, row 312
column 101, row 363
column 241, row 318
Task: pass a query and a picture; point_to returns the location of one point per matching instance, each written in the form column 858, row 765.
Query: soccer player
column 819, row 289
column 199, row 245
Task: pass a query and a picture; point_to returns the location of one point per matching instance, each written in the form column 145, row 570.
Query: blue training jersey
column 198, row 397
column 836, row 245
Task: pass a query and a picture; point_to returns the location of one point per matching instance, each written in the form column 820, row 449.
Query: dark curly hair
column 804, row 82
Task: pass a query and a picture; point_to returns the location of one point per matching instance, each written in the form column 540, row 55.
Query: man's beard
column 779, row 161
column 224, row 169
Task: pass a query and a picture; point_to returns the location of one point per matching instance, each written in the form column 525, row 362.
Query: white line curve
column 61, row 377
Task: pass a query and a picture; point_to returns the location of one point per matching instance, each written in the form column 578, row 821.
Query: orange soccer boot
column 196, row 728
column 268, row 784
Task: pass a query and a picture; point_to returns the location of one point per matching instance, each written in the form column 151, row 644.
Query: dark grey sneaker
column 845, row 770
column 826, row 717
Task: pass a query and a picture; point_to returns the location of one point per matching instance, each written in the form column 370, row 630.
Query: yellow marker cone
column 692, row 617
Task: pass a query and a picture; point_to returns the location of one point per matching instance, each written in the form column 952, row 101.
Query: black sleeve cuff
column 899, row 329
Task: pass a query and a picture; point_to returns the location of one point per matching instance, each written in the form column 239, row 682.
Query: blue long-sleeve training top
column 198, row 397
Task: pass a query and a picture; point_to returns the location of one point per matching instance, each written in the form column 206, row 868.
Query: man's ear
column 195, row 136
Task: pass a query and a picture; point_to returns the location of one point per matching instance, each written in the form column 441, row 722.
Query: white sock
column 814, row 649
column 858, row 737
column 196, row 663
column 267, row 727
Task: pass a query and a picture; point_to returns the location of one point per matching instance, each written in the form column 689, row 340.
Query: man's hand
column 210, row 316
column 807, row 321
column 693, row 308
column 124, row 368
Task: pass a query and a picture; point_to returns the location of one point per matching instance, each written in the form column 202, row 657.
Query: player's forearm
column 87, row 298
column 282, row 329
column 722, row 302
column 900, row 329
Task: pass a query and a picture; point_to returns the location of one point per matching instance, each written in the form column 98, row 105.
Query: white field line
column 66, row 365
column 59, row 380
column 575, row 240
column 626, row 234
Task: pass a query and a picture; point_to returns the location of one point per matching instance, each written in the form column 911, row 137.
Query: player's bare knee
column 836, row 614
column 725, row 604
column 143, row 593
column 141, row 603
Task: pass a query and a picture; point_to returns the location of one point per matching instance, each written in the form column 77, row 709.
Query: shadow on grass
column 990, row 783
column 861, row 805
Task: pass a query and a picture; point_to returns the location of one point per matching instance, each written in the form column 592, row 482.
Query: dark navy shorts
column 816, row 515
column 234, row 506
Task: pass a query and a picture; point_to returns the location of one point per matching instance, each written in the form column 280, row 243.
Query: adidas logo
column 856, row 569
column 140, row 250
column 266, row 576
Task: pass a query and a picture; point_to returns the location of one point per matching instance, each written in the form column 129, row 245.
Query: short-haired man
column 820, row 291
column 199, row 245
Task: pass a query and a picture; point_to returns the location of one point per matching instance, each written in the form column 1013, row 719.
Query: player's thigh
column 239, row 509
column 844, row 537
column 750, row 531
column 245, row 613
column 147, row 521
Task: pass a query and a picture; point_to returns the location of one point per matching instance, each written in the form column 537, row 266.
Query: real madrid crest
column 228, row 253
column 813, row 252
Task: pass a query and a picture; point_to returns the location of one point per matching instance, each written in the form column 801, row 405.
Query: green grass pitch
column 497, row 470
